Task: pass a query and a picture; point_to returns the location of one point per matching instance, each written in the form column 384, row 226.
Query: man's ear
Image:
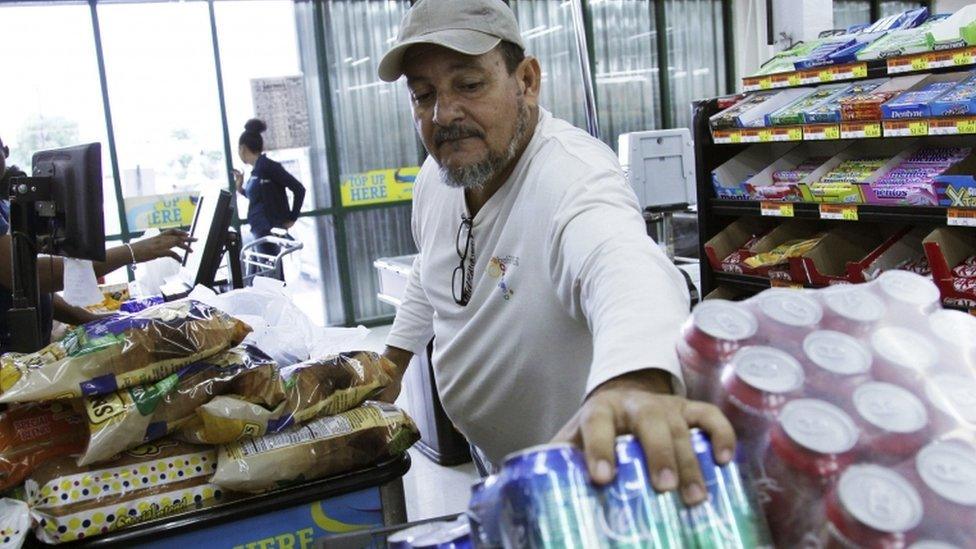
column 529, row 77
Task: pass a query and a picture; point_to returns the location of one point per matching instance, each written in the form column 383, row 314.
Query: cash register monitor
column 210, row 225
column 77, row 228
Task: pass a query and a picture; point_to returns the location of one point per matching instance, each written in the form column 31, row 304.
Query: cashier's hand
column 162, row 245
column 238, row 180
column 641, row 403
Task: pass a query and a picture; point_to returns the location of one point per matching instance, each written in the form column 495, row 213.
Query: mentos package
column 959, row 101
column 914, row 103
column 793, row 113
column 828, row 111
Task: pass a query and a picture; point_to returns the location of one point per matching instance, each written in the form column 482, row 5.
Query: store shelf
column 935, row 61
column 861, row 212
column 919, row 127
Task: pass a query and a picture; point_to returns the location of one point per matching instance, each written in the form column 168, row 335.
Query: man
column 535, row 273
column 50, row 270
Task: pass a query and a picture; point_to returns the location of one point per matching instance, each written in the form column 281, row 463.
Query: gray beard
column 477, row 175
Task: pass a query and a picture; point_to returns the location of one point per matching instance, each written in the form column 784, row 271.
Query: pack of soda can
column 543, row 499
column 855, row 409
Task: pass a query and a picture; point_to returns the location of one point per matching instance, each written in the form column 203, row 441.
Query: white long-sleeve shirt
column 568, row 291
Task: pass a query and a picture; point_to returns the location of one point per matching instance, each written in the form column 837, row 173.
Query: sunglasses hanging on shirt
column 464, row 273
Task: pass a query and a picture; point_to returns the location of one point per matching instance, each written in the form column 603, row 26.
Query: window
column 548, row 33
column 374, row 128
column 892, row 8
column 696, row 60
column 38, row 111
column 163, row 92
column 848, row 13
column 626, row 72
column 258, row 41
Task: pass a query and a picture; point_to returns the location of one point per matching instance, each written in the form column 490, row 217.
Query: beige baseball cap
column 471, row 27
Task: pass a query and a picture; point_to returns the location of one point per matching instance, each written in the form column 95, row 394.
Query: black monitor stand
column 30, row 198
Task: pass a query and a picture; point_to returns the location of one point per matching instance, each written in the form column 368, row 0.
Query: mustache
column 452, row 133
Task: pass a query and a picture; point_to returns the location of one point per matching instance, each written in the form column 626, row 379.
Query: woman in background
column 265, row 189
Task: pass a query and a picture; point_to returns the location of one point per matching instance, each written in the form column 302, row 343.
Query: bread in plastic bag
column 855, row 404
column 262, row 404
column 106, row 355
column 129, row 417
column 15, row 523
column 324, row 447
column 69, row 502
column 33, row 433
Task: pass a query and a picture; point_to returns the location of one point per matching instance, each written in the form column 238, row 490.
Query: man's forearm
column 399, row 357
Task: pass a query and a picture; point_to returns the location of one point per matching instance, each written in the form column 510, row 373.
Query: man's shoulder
column 568, row 149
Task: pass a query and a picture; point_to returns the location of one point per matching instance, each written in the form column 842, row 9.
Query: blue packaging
column 819, row 57
column 959, row 101
column 915, row 103
column 483, row 513
column 633, row 514
column 136, row 305
column 448, row 535
column 548, row 500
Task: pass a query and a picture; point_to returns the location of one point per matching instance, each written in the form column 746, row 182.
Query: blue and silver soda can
column 730, row 519
column 404, row 538
column 548, row 500
column 633, row 514
column 449, row 535
column 483, row 513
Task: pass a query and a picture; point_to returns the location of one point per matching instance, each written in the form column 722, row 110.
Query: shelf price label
column 962, row 58
column 860, row 71
column 795, row 134
column 826, row 75
column 776, row 209
column 860, row 130
column 960, row 217
column 920, row 63
column 794, row 79
column 918, row 128
column 766, row 83
column 840, row 212
column 966, row 125
column 832, row 132
column 765, row 136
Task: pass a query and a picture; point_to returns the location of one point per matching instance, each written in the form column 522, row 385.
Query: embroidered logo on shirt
column 498, row 267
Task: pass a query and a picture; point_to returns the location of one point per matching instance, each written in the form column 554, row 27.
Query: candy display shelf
column 934, row 61
column 716, row 214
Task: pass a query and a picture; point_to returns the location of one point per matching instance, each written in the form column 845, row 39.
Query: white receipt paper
column 80, row 286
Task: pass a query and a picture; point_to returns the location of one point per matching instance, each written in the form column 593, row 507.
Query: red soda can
column 715, row 331
column 757, row 383
column 908, row 294
column 785, row 316
column 946, row 476
column 834, row 365
column 872, row 507
column 852, row 309
column 894, row 422
column 902, row 356
column 956, row 332
column 810, row 445
column 952, row 398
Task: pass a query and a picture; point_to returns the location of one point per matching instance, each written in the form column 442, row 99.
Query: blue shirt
column 268, row 202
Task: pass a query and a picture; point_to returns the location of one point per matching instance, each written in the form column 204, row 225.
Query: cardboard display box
column 956, row 187
column 729, row 179
column 945, row 248
column 853, row 193
column 737, row 234
column 760, row 185
column 844, row 254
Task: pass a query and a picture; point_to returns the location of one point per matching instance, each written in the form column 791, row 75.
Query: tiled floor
column 430, row 489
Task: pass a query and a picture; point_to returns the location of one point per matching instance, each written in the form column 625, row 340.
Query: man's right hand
column 399, row 360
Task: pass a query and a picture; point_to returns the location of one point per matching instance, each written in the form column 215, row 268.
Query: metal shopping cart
column 258, row 263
